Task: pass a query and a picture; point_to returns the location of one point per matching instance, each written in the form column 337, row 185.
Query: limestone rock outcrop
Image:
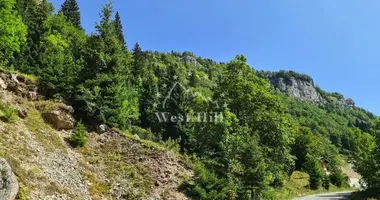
column 60, row 117
column 8, row 182
column 299, row 89
column 18, row 84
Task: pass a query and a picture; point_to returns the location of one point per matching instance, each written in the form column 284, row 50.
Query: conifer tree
column 107, row 91
column 21, row 6
column 36, row 13
column 62, row 57
column 138, row 59
column 70, row 9
column 119, row 30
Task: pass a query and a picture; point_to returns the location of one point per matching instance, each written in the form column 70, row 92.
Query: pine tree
column 119, row 30
column 21, row 6
column 138, row 59
column 34, row 17
column 62, row 57
column 70, row 9
column 107, row 91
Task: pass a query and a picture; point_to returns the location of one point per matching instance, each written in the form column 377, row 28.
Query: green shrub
column 207, row 185
column 339, row 179
column 326, row 182
column 79, row 138
column 313, row 167
column 145, row 134
column 8, row 114
column 172, row 145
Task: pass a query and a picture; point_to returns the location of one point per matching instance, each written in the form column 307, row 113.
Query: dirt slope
column 112, row 166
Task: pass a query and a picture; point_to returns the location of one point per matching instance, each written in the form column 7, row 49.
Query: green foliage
column 79, row 137
column 367, row 157
column 62, row 59
column 309, row 144
column 172, row 145
column 70, row 10
column 287, row 75
column 314, row 168
column 145, row 134
column 119, row 30
column 106, row 92
column 12, row 31
column 326, row 182
column 34, row 16
column 8, row 113
column 339, row 179
column 208, row 186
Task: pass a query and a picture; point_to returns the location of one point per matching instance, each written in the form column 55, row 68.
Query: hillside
column 97, row 119
column 114, row 165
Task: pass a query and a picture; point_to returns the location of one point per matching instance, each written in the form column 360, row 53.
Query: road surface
column 327, row 196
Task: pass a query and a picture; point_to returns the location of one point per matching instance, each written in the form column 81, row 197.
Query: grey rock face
column 8, row 183
column 18, row 84
column 298, row 89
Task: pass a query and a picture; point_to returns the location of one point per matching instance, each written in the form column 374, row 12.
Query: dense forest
column 247, row 150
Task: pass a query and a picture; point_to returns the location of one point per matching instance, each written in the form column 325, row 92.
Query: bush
column 8, row 114
column 339, row 179
column 145, row 134
column 79, row 138
column 207, row 185
column 313, row 167
column 326, row 182
column 172, row 145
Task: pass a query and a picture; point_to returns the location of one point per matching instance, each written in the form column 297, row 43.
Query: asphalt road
column 333, row 196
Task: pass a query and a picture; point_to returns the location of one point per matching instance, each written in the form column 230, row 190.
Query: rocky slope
column 301, row 86
column 42, row 164
column 297, row 88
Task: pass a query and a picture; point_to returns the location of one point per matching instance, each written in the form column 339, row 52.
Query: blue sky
column 337, row 42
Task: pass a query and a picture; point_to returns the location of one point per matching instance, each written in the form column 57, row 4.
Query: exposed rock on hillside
column 59, row 117
column 118, row 162
column 8, row 182
column 301, row 86
column 296, row 88
column 112, row 166
column 18, row 84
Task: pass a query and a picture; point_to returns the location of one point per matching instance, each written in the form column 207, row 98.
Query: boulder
column 32, row 95
column 102, row 128
column 3, row 85
column 22, row 113
column 8, row 182
column 60, row 118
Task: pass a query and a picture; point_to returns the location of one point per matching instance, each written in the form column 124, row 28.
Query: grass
column 44, row 133
column 98, row 188
column 32, row 78
column 45, row 106
column 23, row 193
column 298, row 186
column 8, row 114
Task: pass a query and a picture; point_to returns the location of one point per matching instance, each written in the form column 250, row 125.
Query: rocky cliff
column 301, row 86
column 297, row 88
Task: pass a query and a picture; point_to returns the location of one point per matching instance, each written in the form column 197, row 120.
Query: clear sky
column 337, row 42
